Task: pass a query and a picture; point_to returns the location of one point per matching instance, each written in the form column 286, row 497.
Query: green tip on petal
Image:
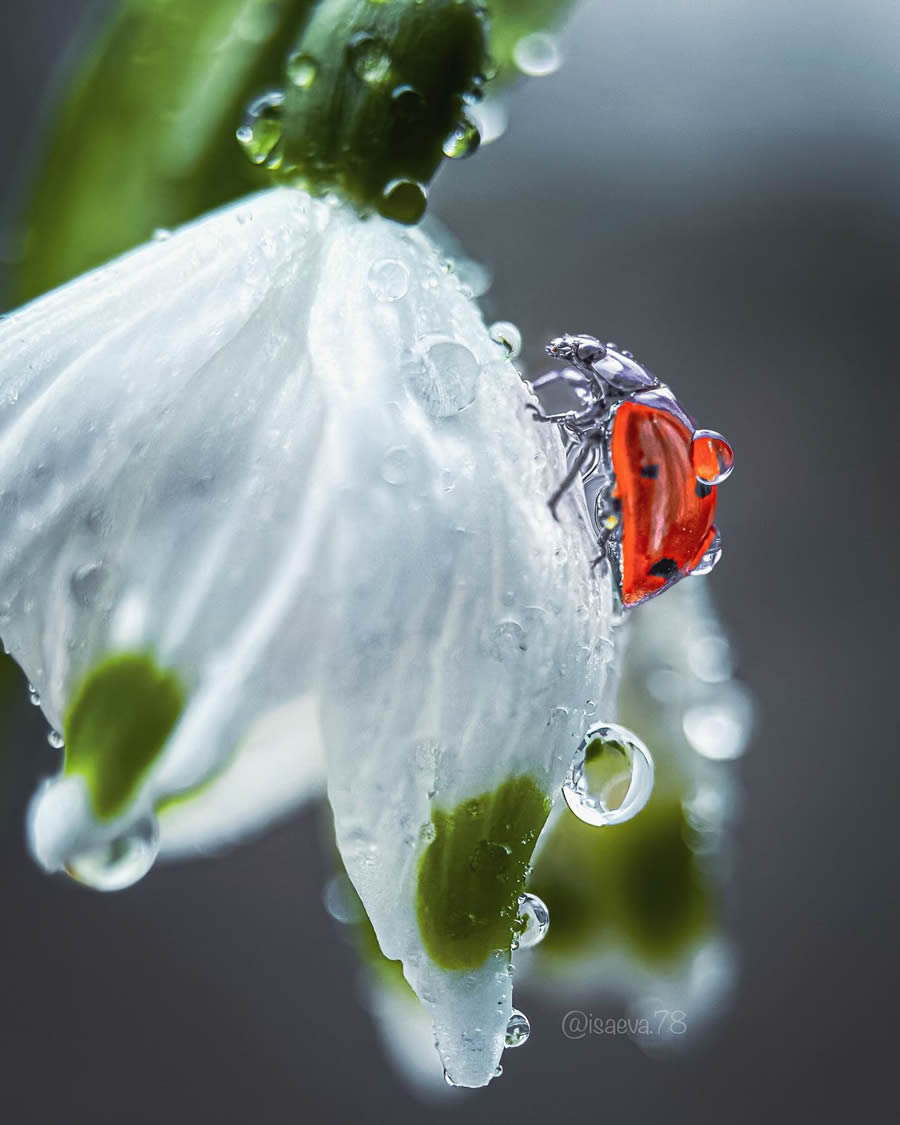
column 117, row 724
column 473, row 871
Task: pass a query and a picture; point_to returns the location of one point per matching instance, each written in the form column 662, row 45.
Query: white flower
column 277, row 462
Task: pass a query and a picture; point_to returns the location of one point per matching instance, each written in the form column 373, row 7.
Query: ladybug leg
column 578, row 462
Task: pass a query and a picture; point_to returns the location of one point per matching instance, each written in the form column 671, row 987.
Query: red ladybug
column 649, row 476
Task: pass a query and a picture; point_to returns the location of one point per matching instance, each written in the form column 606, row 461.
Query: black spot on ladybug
column 665, row 568
column 702, row 489
column 651, row 472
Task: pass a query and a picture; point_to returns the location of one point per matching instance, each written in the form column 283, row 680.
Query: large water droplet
column 369, row 58
column 711, row 456
column 119, row 863
column 302, row 70
column 463, row 141
column 259, row 134
column 534, row 919
column 505, row 333
column 611, row 777
column 517, row 1029
column 403, row 201
column 55, row 739
column 34, row 697
column 720, row 728
column 445, row 379
column 537, row 55
column 388, row 280
column 407, row 104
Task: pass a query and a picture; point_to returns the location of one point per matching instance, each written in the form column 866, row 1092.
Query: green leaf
column 116, row 726
column 145, row 136
column 473, row 871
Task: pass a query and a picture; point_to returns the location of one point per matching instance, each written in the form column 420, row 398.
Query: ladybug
column 649, row 476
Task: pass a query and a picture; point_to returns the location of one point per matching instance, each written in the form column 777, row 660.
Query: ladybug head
column 583, row 350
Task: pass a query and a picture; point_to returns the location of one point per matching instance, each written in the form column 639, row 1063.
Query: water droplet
column 259, row 135
column 55, row 739
column 403, row 201
column 507, row 641
column 388, row 280
column 448, row 1079
column 710, row 558
column 407, row 104
column 119, row 863
column 161, row 235
column 611, row 777
column 505, row 333
column 34, row 697
column 720, row 728
column 537, row 55
column 341, row 901
column 517, row 1029
column 535, row 920
column 463, row 141
column 369, row 58
column 711, row 456
column 302, row 70
column 446, row 377
column 87, row 582
column 499, row 1071
column 396, row 466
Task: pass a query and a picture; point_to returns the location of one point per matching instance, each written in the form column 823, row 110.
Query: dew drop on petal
column 507, row 335
column 396, row 466
column 302, row 70
column 463, row 141
column 711, row 456
column 611, row 777
column 445, row 378
column 537, row 55
column 119, row 863
column 34, row 697
column 534, row 918
column 161, row 235
column 369, row 58
column 517, row 1029
column 388, row 280
column 259, row 135
column 87, row 582
column 55, row 739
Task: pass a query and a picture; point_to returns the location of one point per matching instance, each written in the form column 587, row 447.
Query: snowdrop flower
column 269, row 497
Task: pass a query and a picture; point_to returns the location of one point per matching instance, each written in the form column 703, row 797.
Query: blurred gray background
column 714, row 184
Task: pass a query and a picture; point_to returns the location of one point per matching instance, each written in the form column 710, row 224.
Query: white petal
column 225, row 447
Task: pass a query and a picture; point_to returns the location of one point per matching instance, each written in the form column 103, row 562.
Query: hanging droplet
column 517, row 1029
column 369, row 58
column 534, row 918
column 55, row 739
column 403, row 201
column 711, row 456
column 710, row 557
column 463, row 141
column 302, row 70
column 34, row 697
column 445, row 378
column 537, row 55
column 119, row 863
column 341, row 901
column 720, row 728
column 388, row 280
column 505, row 333
column 407, row 104
column 611, row 777
column 260, row 133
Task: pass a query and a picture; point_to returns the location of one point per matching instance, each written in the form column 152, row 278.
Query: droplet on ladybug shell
column 711, row 456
